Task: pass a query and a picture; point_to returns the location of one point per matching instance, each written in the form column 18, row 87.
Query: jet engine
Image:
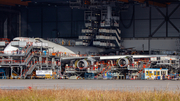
column 82, row 64
column 124, row 62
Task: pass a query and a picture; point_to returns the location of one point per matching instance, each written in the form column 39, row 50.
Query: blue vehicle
column 2, row 74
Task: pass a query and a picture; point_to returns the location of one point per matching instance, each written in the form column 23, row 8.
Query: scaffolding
column 23, row 63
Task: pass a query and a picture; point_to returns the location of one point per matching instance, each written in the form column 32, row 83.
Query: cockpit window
column 15, row 40
column 38, row 40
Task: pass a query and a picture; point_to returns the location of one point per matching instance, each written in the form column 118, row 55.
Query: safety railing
column 16, row 62
column 24, row 73
column 11, row 62
column 172, row 63
column 18, row 52
column 30, row 70
column 28, row 58
column 29, row 48
column 27, row 61
column 15, row 52
column 42, row 53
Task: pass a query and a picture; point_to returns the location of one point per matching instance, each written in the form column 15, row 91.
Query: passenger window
column 157, row 72
column 154, row 72
column 146, row 72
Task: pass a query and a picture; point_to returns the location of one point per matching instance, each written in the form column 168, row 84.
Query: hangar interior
column 128, row 38
column 144, row 24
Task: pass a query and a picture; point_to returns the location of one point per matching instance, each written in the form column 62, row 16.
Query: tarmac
column 129, row 85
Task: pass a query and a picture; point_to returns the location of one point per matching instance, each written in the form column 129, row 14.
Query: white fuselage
column 71, row 49
column 53, row 47
column 9, row 49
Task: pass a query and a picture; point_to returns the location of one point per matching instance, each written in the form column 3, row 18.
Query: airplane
column 84, row 63
column 53, row 47
column 121, row 60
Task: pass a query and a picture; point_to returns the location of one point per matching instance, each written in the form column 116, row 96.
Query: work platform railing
column 29, row 49
column 29, row 71
column 16, row 62
column 18, row 52
column 25, row 60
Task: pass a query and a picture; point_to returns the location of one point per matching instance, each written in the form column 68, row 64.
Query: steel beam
column 41, row 22
column 134, row 22
column 71, row 21
column 57, row 22
column 9, row 27
column 27, row 21
column 174, row 26
column 11, row 72
column 170, row 16
column 19, row 24
column 149, row 39
column 151, row 35
column 174, row 10
column 158, row 28
column 1, row 29
column 21, row 71
column 160, row 12
column 167, row 19
column 150, row 21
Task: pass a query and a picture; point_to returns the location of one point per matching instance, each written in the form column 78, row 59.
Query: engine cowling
column 82, row 64
column 122, row 62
